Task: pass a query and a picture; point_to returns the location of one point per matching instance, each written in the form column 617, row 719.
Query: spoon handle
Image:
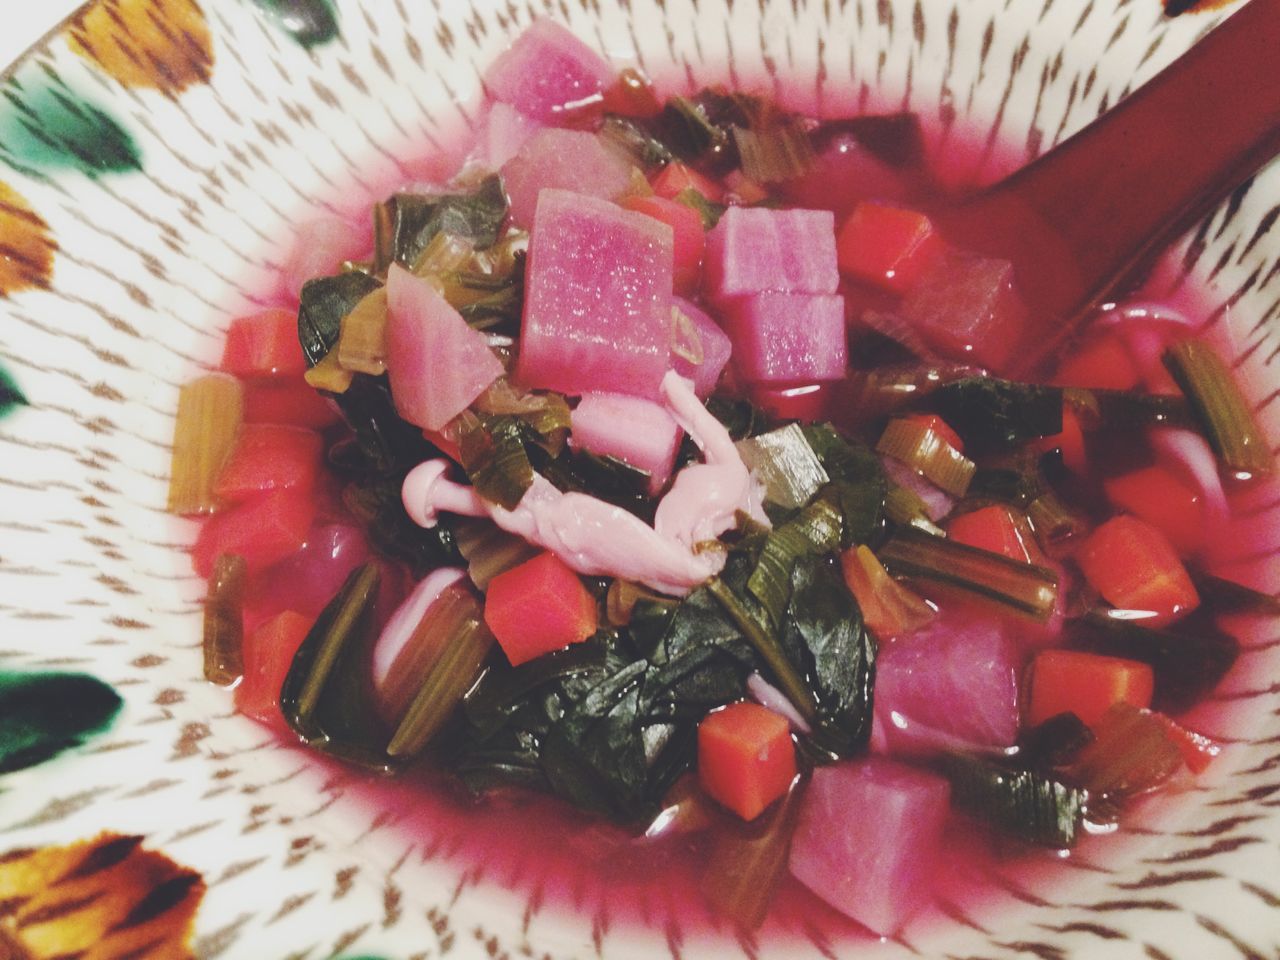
column 1078, row 220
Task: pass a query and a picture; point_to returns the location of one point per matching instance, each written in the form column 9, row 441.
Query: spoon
column 1080, row 219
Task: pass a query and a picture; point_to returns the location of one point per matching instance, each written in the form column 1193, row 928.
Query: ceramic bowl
column 156, row 156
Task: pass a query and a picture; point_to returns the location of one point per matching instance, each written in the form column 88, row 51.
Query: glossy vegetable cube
column 1164, row 499
column 270, row 456
column 548, row 73
column 745, row 757
column 887, row 247
column 264, row 530
column 998, row 528
column 268, row 655
column 287, row 401
column 264, row 345
column 786, row 337
column 866, row 838
column 676, row 178
column 633, row 429
column 436, row 362
column 537, row 607
column 756, row 250
column 690, row 240
column 597, row 310
column 965, row 307
column 1135, row 567
column 700, row 350
column 555, row 159
column 1086, row 684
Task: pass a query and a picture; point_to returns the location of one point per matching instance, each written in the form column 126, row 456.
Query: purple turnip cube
column 787, row 337
column 866, row 839
column 566, row 160
column 757, row 250
column 597, row 309
column 638, row 431
column 548, row 72
column 700, row 349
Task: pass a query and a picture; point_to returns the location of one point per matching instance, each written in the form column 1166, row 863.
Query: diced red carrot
column 289, row 401
column 931, row 421
column 1198, row 751
column 263, row 530
column 1086, row 684
column 676, row 178
column 998, row 528
column 269, row 456
column 537, row 607
column 746, row 190
column 886, row 246
column 889, row 609
column 1102, row 363
column 1135, row 567
column 264, row 345
column 745, row 757
column 1165, row 500
column 268, row 654
column 690, row 237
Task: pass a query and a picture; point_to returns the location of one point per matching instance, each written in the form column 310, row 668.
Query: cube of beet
column 633, row 429
column 955, row 680
column 756, row 249
column 787, row 337
column 965, row 306
column 699, row 349
column 866, row 839
column 567, row 160
column 597, row 308
column 548, row 72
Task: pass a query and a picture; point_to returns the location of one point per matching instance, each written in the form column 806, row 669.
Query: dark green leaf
column 405, row 224
column 858, row 485
column 493, row 454
column 816, row 529
column 1023, row 804
column 708, row 211
column 991, row 414
column 644, row 148
column 324, row 301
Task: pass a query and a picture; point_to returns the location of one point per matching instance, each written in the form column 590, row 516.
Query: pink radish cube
column 787, row 337
column 755, row 250
column 699, row 348
column 957, row 676
column 597, row 308
column 548, row 72
column 437, row 364
column 965, row 306
column 506, row 130
column 566, row 160
column 866, row 838
column 633, row 429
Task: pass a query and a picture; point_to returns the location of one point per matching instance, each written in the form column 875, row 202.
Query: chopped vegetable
column 263, row 530
column 1085, row 684
column 756, row 250
column 1165, row 500
column 537, row 607
column 288, row 402
column 210, row 410
column 690, row 241
column 1103, row 362
column 1198, row 751
column 676, row 178
column 745, row 757
column 786, row 464
column 887, row 246
column 548, row 73
column 270, row 456
column 1133, row 565
column 781, row 337
column 264, row 345
column 406, row 224
column 224, row 622
column 268, row 654
column 1220, row 407
column 1131, row 752
column 889, row 609
column 699, row 348
column 1021, row 803
column 362, row 342
column 638, row 431
column 998, row 528
column 1022, row 588
column 555, row 159
column 324, row 302
column 991, row 414
column 929, row 452
column 774, row 150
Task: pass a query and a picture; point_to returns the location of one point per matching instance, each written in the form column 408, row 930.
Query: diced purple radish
column 965, row 306
column 322, row 246
column 937, row 502
column 866, row 837
column 757, row 249
column 704, row 360
column 787, row 337
column 565, row 160
column 638, row 431
column 437, row 364
column 548, row 73
column 506, row 131
column 597, row 308
column 957, row 677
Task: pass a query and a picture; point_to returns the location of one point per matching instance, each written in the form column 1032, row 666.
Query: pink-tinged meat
column 506, row 131
column 597, row 309
column 548, row 73
column 633, row 429
column 699, row 348
column 555, row 159
column 866, row 838
column 322, row 246
column 437, row 364
column 965, row 307
column 787, row 337
column 957, row 677
column 758, row 250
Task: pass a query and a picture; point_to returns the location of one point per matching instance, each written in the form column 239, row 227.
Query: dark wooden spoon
column 1077, row 221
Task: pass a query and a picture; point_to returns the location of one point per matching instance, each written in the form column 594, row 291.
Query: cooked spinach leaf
column 324, row 301
column 1034, row 808
column 991, row 414
column 405, row 224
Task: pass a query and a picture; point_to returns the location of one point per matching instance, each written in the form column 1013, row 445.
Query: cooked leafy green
column 991, row 414
column 858, row 485
column 324, row 301
column 1024, row 804
column 405, row 224
column 493, row 453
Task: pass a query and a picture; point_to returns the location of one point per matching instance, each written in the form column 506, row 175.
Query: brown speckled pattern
column 151, row 267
